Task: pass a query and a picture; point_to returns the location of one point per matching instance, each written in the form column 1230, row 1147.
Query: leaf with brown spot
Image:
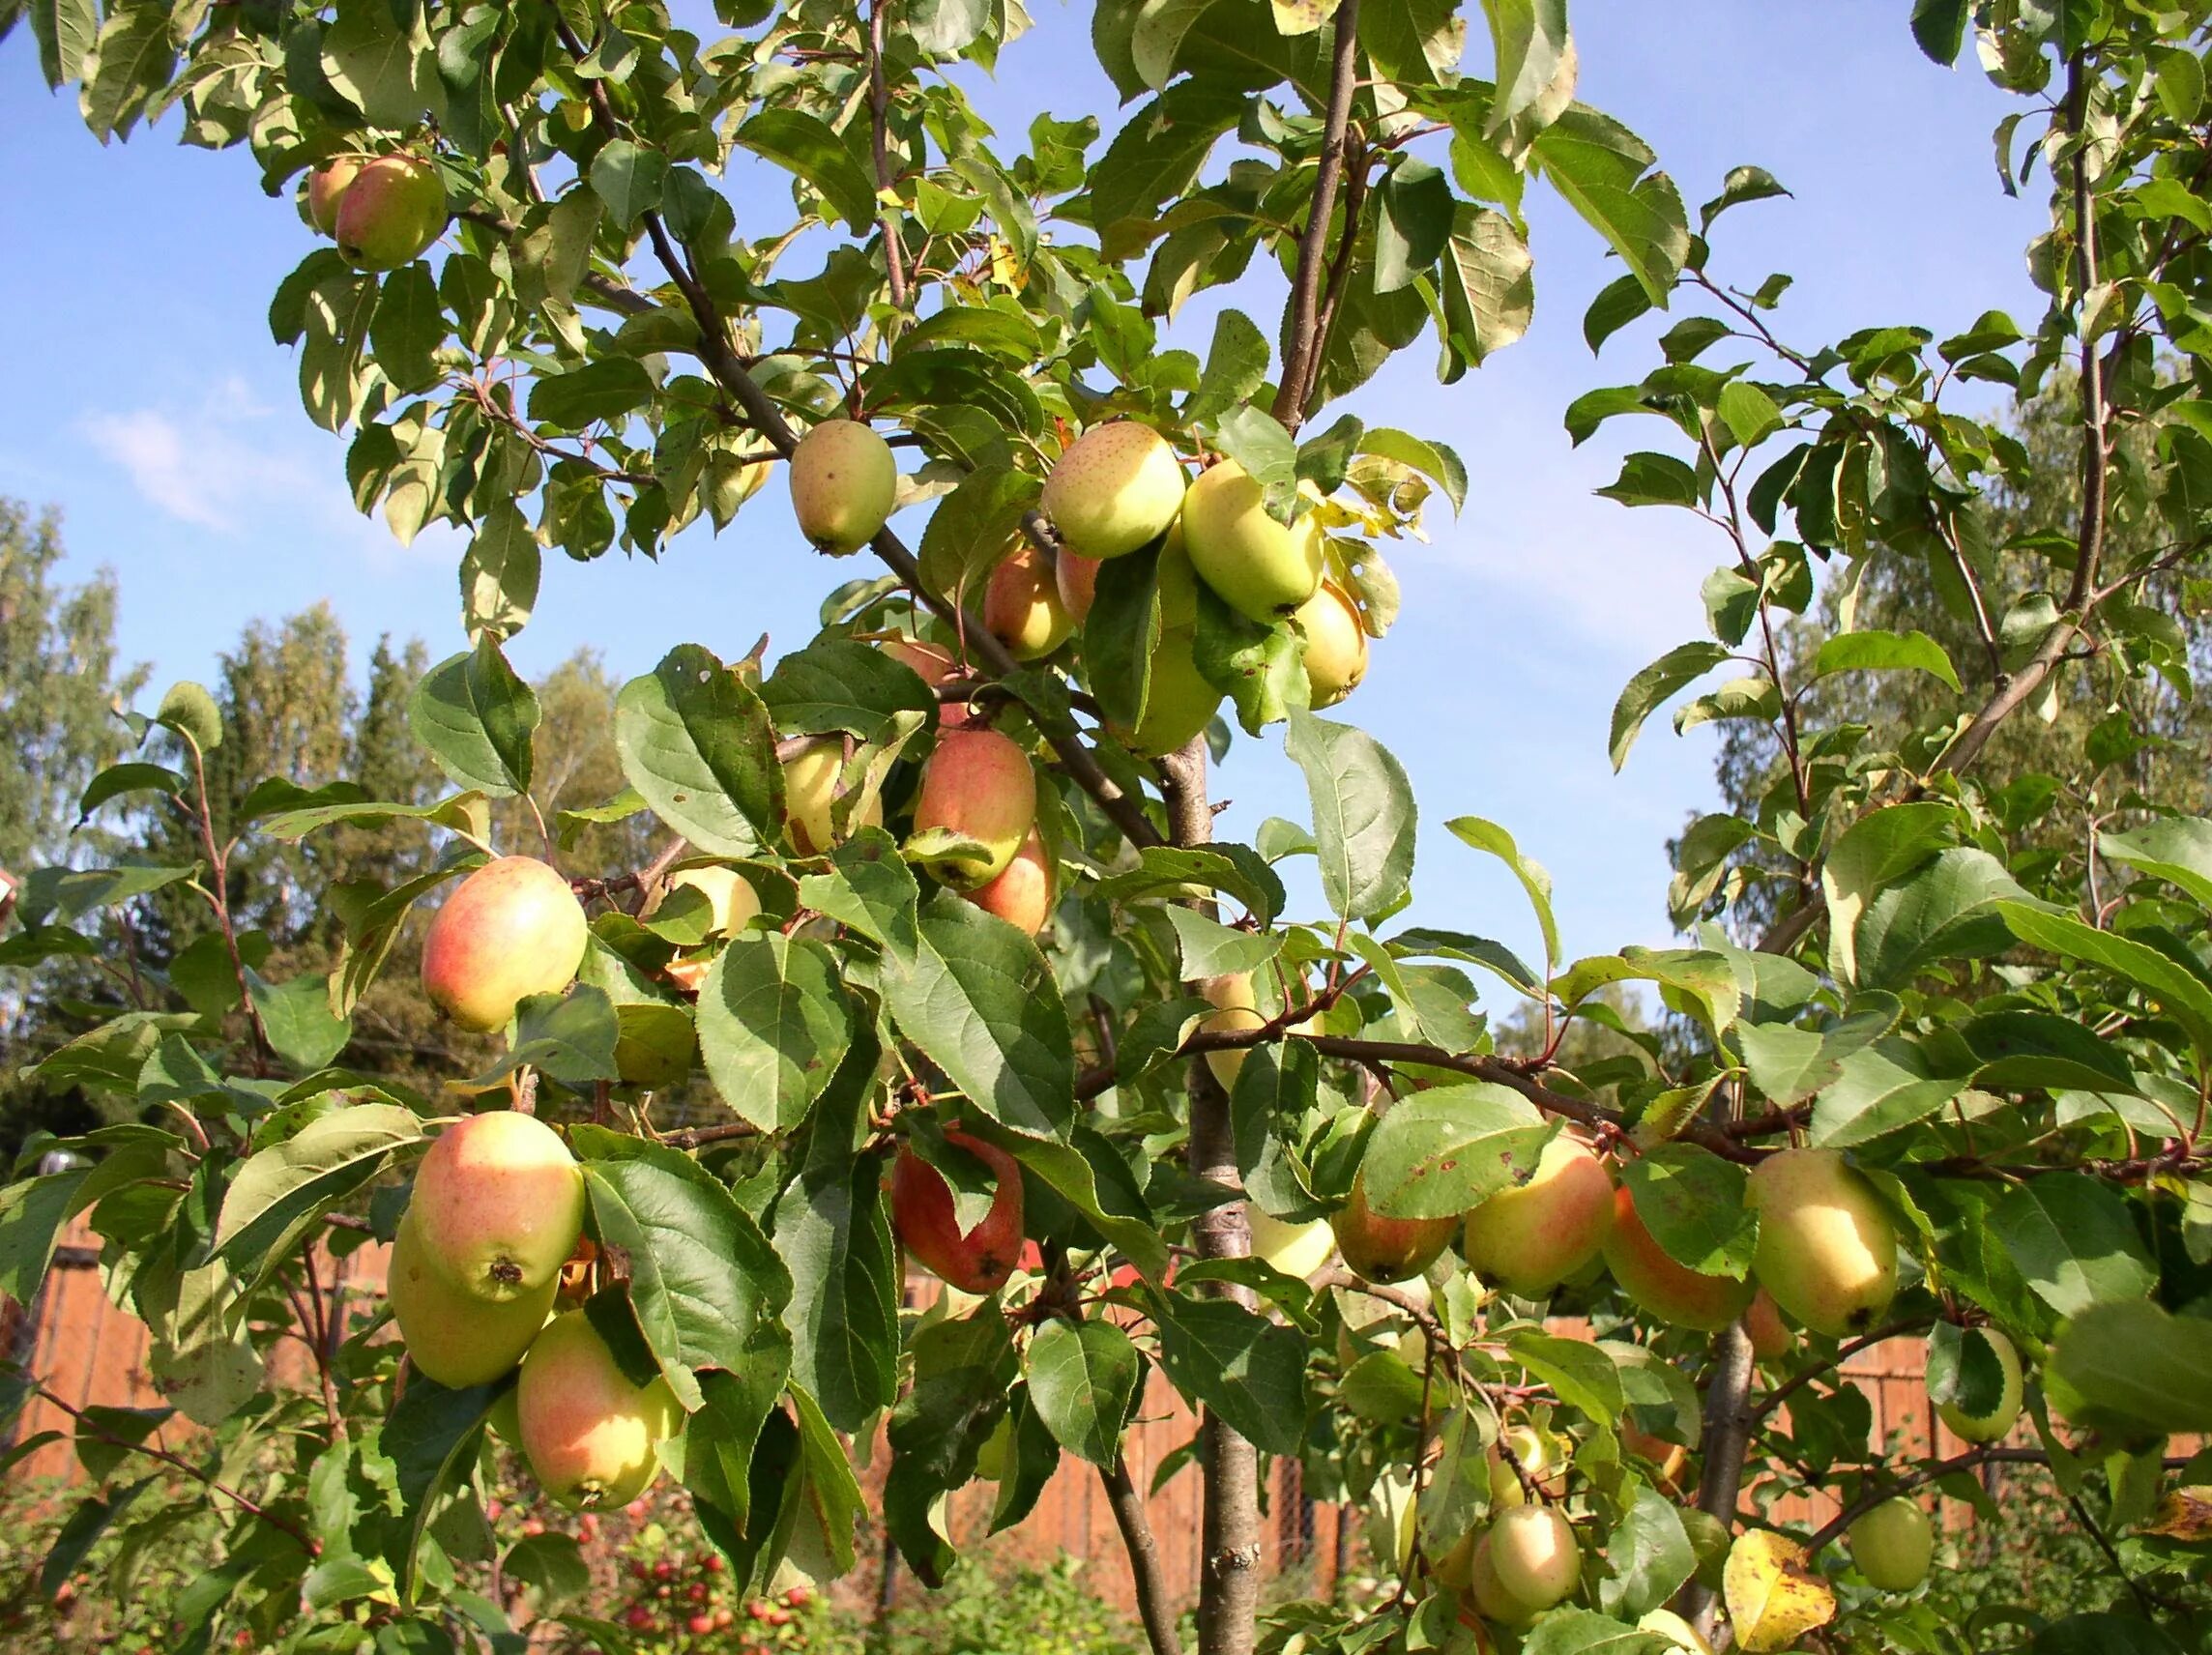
column 1302, row 16
column 1773, row 1598
column 2184, row 1515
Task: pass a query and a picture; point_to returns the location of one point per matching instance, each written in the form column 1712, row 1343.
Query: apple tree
column 941, row 922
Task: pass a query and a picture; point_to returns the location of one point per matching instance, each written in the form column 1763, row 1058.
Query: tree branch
column 1145, row 1577
column 1301, row 356
column 1728, row 1433
column 1782, row 1393
column 879, row 120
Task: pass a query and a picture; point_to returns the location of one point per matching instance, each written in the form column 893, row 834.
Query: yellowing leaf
column 1773, row 1599
column 2184, row 1515
column 1302, row 16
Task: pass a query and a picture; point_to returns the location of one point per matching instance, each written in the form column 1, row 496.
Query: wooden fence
column 87, row 1352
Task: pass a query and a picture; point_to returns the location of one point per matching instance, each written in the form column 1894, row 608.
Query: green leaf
column 2131, row 1367
column 1440, row 465
column 1234, row 870
column 773, row 1027
column 1570, row 1631
column 1650, row 689
column 431, row 1440
column 572, row 1036
column 2027, row 1050
column 1749, row 413
column 804, row 144
column 1693, row 1204
column 1213, row 949
column 1946, row 911
column 477, row 719
column 1886, row 651
column 33, row 1214
column 2174, row 989
column 1414, row 223
column 606, row 389
column 282, row 1188
column 1072, row 1171
column 1363, row 812
column 190, row 711
column 1579, row 1373
column 841, row 685
column 64, row 31
column 1248, row 1370
column 974, row 993
column 297, row 1017
column 1235, row 367
column 1082, row 1377
column 2178, row 849
column 1535, row 54
column 119, row 781
column 381, row 65
column 628, row 177
column 1650, row 1556
column 697, row 743
column 1648, row 478
column 1441, row 1151
column 1489, row 289
column 1879, row 1091
column 1534, row 880
column 1599, row 165
column 1940, row 26
column 499, row 575
column 2074, row 1240
column 1742, row 184
column 1256, row 441
column 409, row 325
column 707, row 1289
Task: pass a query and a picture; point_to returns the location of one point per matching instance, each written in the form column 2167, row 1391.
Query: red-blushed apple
column 1529, row 1238
column 498, row 1205
column 1827, row 1251
column 457, row 1337
column 1077, row 578
column 1118, row 486
column 979, row 1260
column 510, row 930
column 1383, row 1249
column 810, row 779
column 1022, row 895
column 934, row 665
column 327, row 185
column 979, row 784
column 589, row 1432
column 391, row 213
column 1656, row 1284
column 1021, row 607
column 1336, row 644
column 1770, row 1337
column 844, row 480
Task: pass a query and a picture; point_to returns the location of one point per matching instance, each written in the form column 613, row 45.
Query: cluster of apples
column 478, row 1271
column 1117, row 489
column 383, row 211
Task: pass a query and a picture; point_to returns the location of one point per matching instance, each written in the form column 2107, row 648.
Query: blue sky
column 151, row 406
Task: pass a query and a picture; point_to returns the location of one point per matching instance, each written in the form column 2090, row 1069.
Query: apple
column 1022, row 895
column 1997, row 1424
column 1488, row 1593
column 498, row 1205
column 454, row 1336
column 844, row 481
column 1178, row 704
column 1539, row 1455
column 1076, row 578
column 1237, row 1011
column 1022, row 605
column 327, row 185
column 811, row 778
column 979, row 784
column 934, row 665
column 1667, row 1459
column 1117, row 487
column 1534, row 1555
column 1827, row 1249
column 1529, row 1238
column 1659, row 1286
column 980, row 1260
column 1337, row 643
column 729, row 894
column 1386, row 1249
column 589, row 1434
column 510, row 930
column 1676, row 1630
column 1257, row 567
column 1294, row 1249
column 1893, row 1545
column 391, row 212
column 1770, row 1337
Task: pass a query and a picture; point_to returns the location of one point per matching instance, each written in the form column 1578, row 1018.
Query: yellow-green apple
column 589, row 1432
column 1022, row 605
column 1539, row 1455
column 1676, row 1630
column 730, row 896
column 1022, row 893
column 457, row 1337
column 1529, row 1238
column 977, row 1261
column 1995, row 1425
column 1115, row 487
column 1255, row 564
column 1294, row 1249
column 498, row 1204
column 327, row 185
column 1177, row 583
column 1178, row 704
column 843, row 483
column 1533, row 1553
column 512, row 929
column 1659, row 1286
column 393, row 209
column 1488, row 1593
column 979, row 784
column 811, row 778
column 1893, row 1545
column 1827, row 1249
column 1236, row 1011
column 1337, row 643
column 1386, row 1249
column 1770, row 1337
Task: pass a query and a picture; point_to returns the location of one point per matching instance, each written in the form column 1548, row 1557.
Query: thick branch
column 1727, row 1433
column 1153, row 1605
column 1301, row 356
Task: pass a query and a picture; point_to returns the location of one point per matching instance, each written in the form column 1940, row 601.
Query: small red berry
column 723, row 1617
column 639, row 1618
column 798, row 1597
column 696, row 1592
column 587, row 1526
column 778, row 1618
column 757, row 1610
column 532, row 1526
column 664, row 1569
column 712, row 1563
column 635, row 1511
column 701, row 1625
